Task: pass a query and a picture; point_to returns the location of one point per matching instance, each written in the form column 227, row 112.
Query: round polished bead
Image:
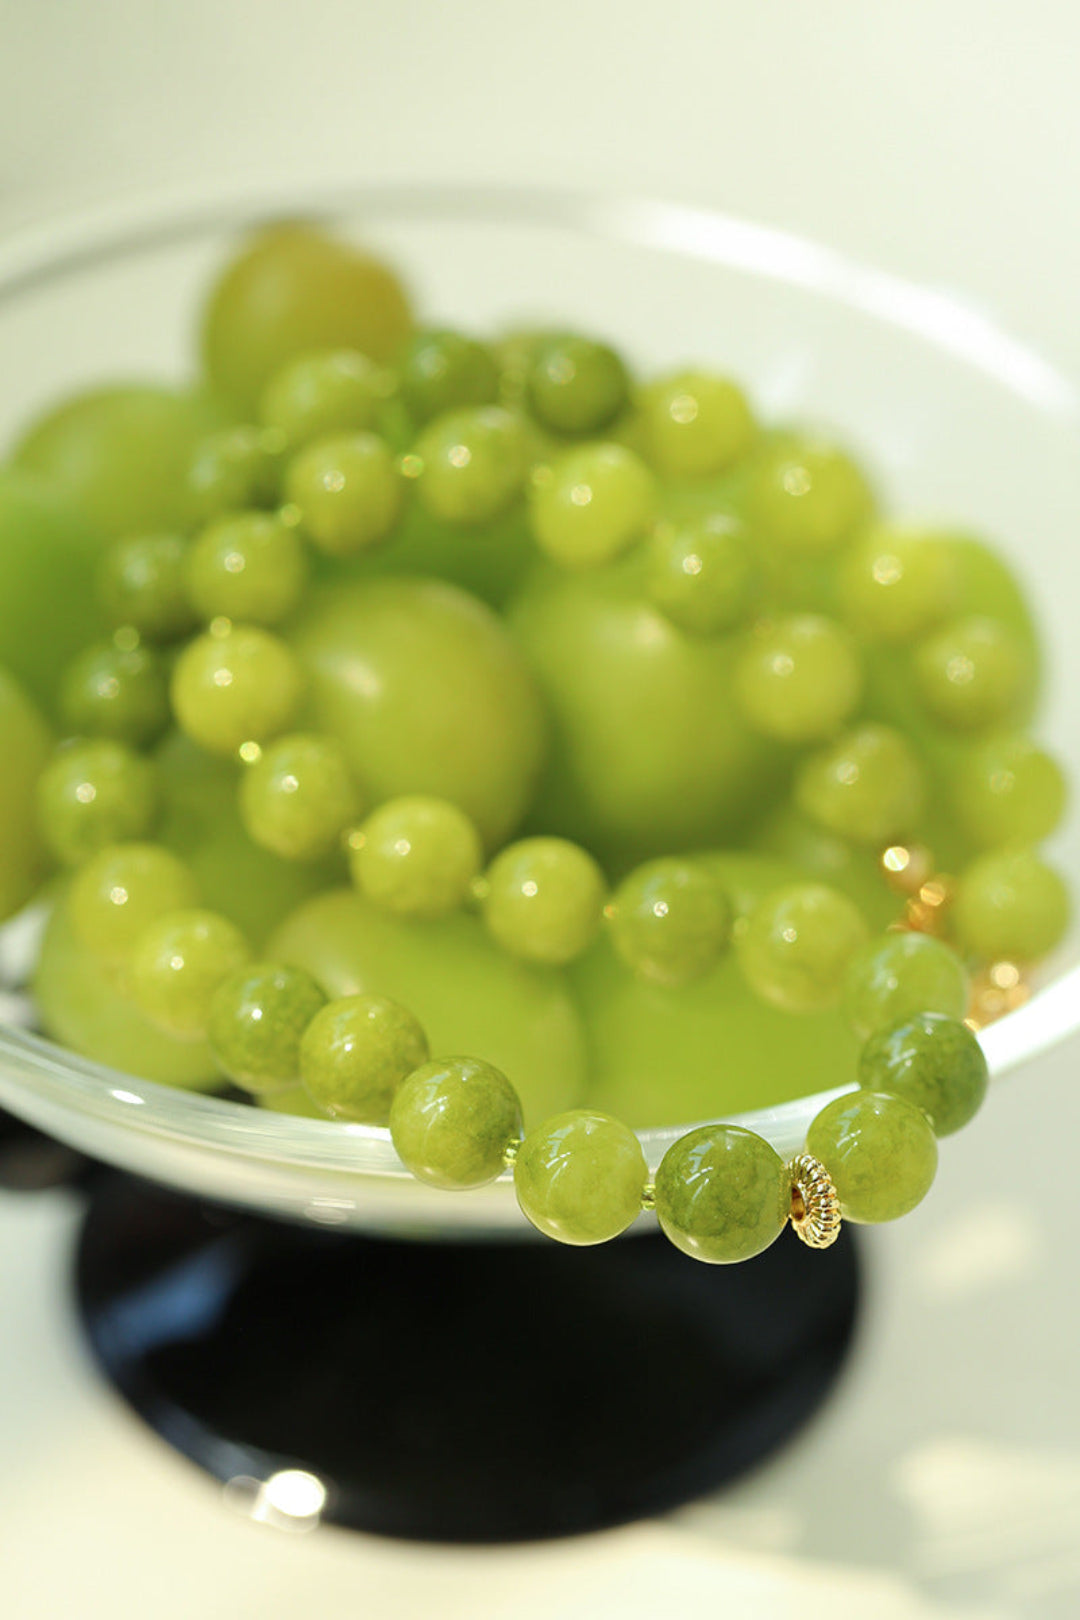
column 722, row 1194
column 473, row 464
column 808, row 497
column 704, row 576
column 257, row 1017
column 92, row 794
column 1008, row 790
column 799, row 678
column 176, row 965
column 576, row 386
column 118, row 692
column 452, row 1121
column 796, row 946
column 932, row 1061
column 347, row 491
column 142, row 583
column 354, row 1054
column 416, row 856
column 248, row 566
column 298, row 798
column 696, row 424
column 242, row 686
column 580, row 1177
column 592, row 504
column 1011, row 906
column 326, row 392
column 880, row 1151
column 972, row 674
column 670, row 919
column 897, row 583
column 867, row 786
column 121, row 890
column 442, row 371
column 543, row 900
column 903, row 974
column 238, row 468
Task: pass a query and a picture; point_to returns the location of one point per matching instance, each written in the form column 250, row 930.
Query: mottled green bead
column 119, row 692
column 121, row 890
column 901, row 975
column 867, row 786
column 141, row 583
column 329, row 391
column 722, row 1194
column 248, row 566
column 452, row 1121
column 580, row 1177
column 354, row 1054
column 443, row 370
column 347, row 491
column 92, row 794
column 931, row 1061
column 704, row 576
column 239, row 467
column 299, row 798
column 808, row 497
column 670, row 919
column 177, row 964
column 1008, row 790
column 543, row 899
column 880, row 1151
column 1011, row 906
column 796, row 946
column 472, row 464
column 576, row 386
column 241, row 686
column 696, row 424
column 257, row 1017
column 973, row 673
column 416, row 856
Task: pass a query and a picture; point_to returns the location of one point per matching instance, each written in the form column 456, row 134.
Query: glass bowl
column 959, row 419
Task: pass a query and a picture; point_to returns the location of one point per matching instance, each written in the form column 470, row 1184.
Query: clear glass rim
column 58, row 249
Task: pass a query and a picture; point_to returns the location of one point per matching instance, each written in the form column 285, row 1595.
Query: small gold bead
column 997, row 990
column 906, row 867
column 815, row 1203
column 511, row 1152
column 648, row 1195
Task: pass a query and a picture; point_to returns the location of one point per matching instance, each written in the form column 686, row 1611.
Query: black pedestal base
column 457, row 1392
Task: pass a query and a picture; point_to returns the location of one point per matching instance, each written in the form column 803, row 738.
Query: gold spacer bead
column 648, row 1195
column 906, row 867
column 815, row 1203
column 998, row 990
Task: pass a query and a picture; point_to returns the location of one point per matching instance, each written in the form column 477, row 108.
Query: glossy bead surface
column 591, row 504
column 92, row 794
column 669, row 920
column 142, row 583
column 880, row 1152
column 899, row 976
column 443, row 370
column 796, row 946
column 1011, row 906
column 1008, row 790
column 298, row 799
column 355, row 1052
column 973, row 673
column 257, row 1017
column 118, row 692
column 121, row 890
column 242, row 686
column 867, row 786
column 704, row 576
column 932, row 1061
column 247, row 566
column 451, row 1122
column 234, row 470
column 799, row 678
column 576, row 386
column 723, row 1194
column 347, row 491
column 416, row 856
column 897, row 583
column 472, row 464
column 579, row 1177
column 808, row 497
column 543, row 899
column 330, row 391
column 176, row 965
column 696, row 424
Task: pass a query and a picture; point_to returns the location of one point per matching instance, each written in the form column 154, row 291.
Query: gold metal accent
column 648, row 1195
column 815, row 1203
column 511, row 1152
column 906, row 867
column 998, row 990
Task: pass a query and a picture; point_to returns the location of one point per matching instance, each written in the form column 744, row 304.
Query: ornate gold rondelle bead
column 815, row 1203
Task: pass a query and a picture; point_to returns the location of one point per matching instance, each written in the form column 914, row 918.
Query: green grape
column 797, row 944
column 799, row 678
column 670, row 920
column 443, row 705
column 903, row 974
column 580, row 1177
column 248, row 566
column 543, row 899
column 452, row 1121
column 896, row 583
column 472, row 464
column 416, row 856
column 576, row 386
column 931, row 1061
column 703, row 575
column 807, row 497
column 92, row 794
column 334, row 391
column 257, row 1017
column 299, row 799
column 142, row 583
column 121, row 455
column 1008, row 790
column 233, row 470
column 25, row 745
column 355, row 1052
column 723, row 1194
column 696, row 424
column 442, row 371
column 290, row 291
column 242, row 686
column 123, row 889
column 177, row 964
column 118, row 692
column 972, row 674
column 867, row 786
column 1010, row 906
column 592, row 504
column 880, row 1152
column 347, row 492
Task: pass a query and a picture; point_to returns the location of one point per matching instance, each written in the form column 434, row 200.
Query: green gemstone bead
column 347, row 491
column 696, row 424
column 1008, row 790
column 299, row 798
column 867, row 786
column 92, row 794
column 796, row 945
column 118, row 692
column 1010, row 906
column 880, row 1152
column 416, row 856
column 592, row 504
column 931, row 1061
column 257, row 1018
column 472, row 464
column 972, row 674
column 248, row 566
column 669, row 920
column 242, row 686
column 897, row 583
column 799, row 678
column 543, row 900
column 329, row 392
column 442, row 371
column 576, row 386
column 580, row 1177
column 123, row 889
column 452, row 1121
column 176, row 965
column 704, row 576
column 142, row 583
column 355, row 1053
column 238, row 468
column 722, row 1194
column 807, row 497
column 903, row 974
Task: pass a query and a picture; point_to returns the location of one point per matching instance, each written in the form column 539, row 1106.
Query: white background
column 940, row 138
